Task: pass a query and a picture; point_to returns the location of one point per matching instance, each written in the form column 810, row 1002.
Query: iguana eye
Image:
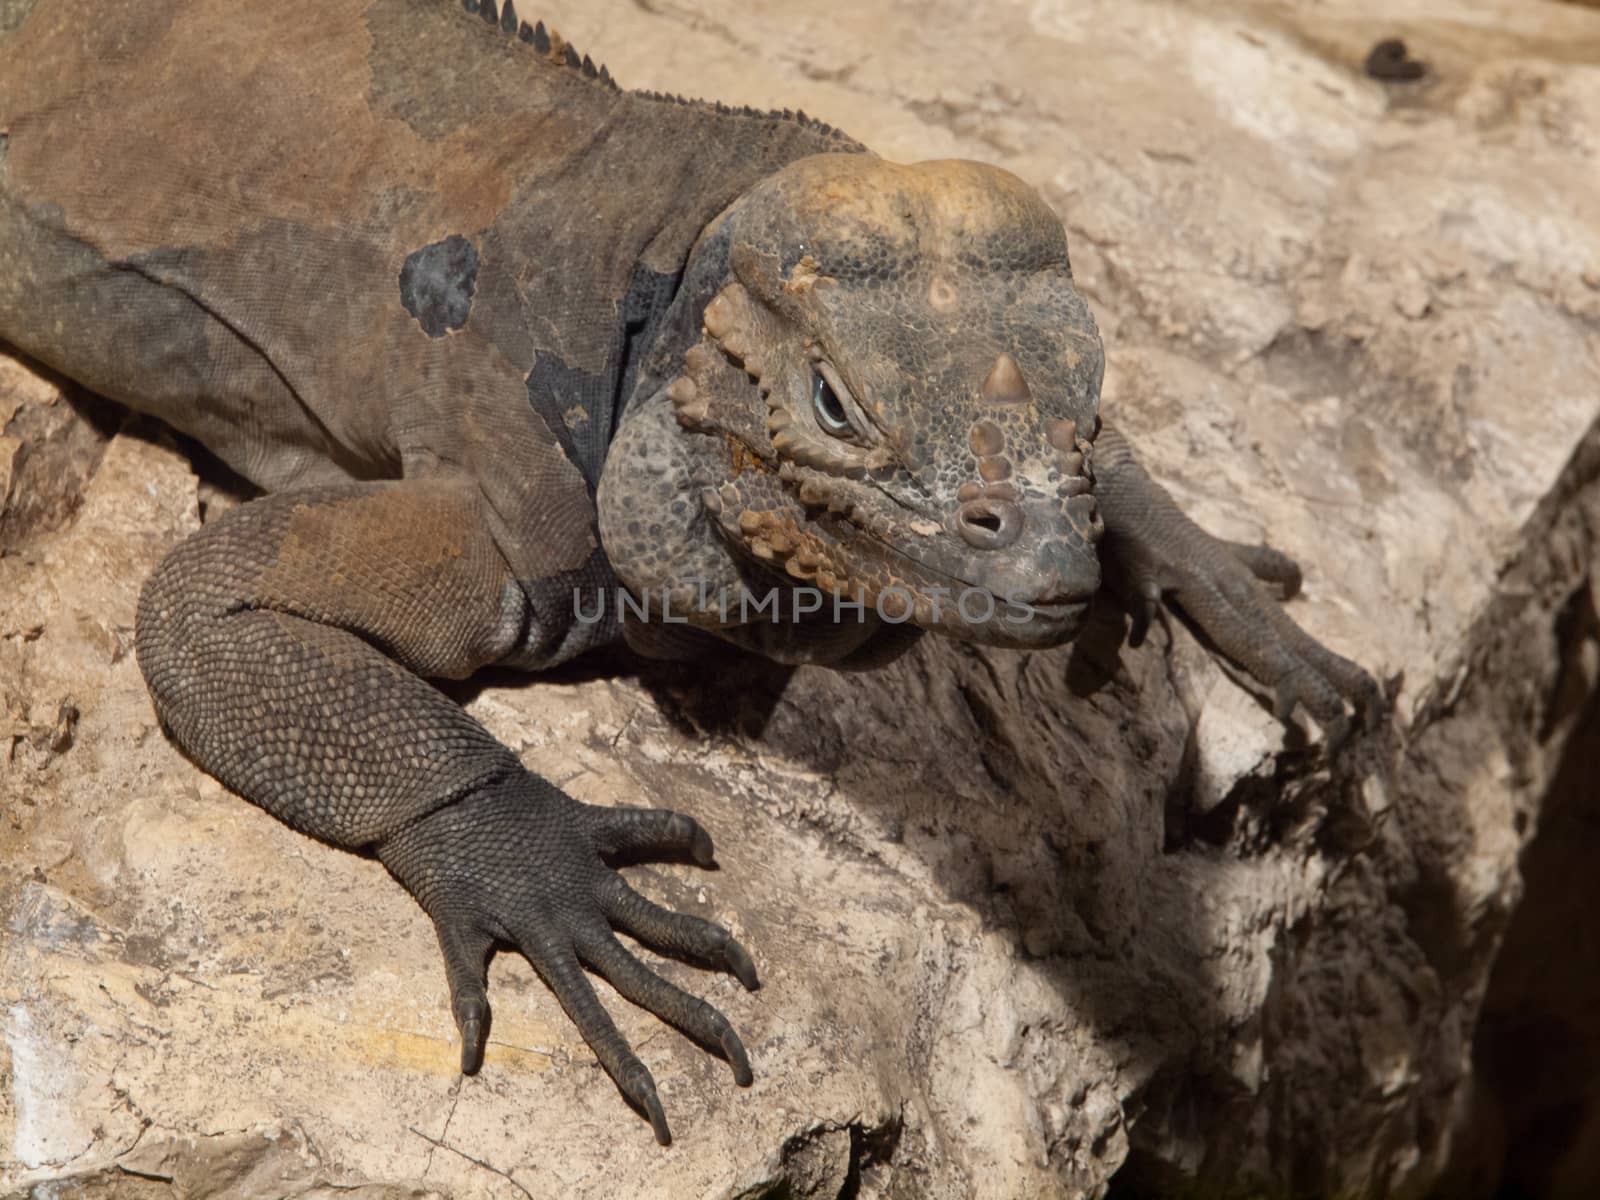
column 829, row 408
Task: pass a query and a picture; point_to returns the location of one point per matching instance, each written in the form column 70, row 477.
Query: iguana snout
column 906, row 382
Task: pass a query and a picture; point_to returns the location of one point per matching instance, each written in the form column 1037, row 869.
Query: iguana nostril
column 989, row 524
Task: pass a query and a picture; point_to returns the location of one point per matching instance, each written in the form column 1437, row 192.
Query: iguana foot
column 1215, row 584
column 520, row 862
column 1153, row 552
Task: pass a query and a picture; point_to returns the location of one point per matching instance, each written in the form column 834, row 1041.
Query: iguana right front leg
column 283, row 645
column 1154, row 550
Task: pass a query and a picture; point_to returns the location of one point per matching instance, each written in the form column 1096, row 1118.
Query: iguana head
column 898, row 383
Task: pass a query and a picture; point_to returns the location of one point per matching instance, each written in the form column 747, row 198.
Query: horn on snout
column 1004, row 384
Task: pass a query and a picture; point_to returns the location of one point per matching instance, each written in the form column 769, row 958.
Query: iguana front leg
column 283, row 645
column 1153, row 551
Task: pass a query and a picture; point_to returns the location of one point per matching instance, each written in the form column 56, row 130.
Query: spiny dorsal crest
column 559, row 51
column 547, row 42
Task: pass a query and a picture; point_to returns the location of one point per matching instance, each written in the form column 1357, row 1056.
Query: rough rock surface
column 1036, row 926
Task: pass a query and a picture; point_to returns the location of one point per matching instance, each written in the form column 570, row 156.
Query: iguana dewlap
column 496, row 336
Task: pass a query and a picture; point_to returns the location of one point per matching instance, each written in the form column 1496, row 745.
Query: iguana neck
column 645, row 224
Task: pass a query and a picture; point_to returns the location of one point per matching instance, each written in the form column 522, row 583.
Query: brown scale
column 1074, row 453
column 776, row 536
column 711, row 395
column 992, row 468
column 1005, row 385
column 986, row 438
column 690, row 404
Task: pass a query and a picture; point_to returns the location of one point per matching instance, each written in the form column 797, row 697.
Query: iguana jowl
column 491, row 331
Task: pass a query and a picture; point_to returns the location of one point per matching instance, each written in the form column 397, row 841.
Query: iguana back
column 386, row 240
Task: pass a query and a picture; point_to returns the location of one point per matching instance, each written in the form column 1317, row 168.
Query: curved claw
column 1373, row 698
column 638, row 984
column 641, row 1089
column 741, row 964
column 1143, row 612
column 675, row 933
column 651, row 832
column 1337, row 733
column 1270, row 565
column 733, row 1048
column 1284, row 698
column 701, row 849
column 472, row 1019
column 471, row 1048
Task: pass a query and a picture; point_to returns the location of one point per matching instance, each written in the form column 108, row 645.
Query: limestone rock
column 1028, row 926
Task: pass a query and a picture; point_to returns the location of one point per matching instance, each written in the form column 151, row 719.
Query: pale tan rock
column 1021, row 926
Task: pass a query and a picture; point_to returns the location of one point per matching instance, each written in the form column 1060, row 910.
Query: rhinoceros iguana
column 495, row 336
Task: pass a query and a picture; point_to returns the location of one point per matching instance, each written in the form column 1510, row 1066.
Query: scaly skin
column 407, row 265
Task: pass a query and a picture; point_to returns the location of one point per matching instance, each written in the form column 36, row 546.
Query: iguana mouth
column 1047, row 615
column 1056, row 609
column 832, row 550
